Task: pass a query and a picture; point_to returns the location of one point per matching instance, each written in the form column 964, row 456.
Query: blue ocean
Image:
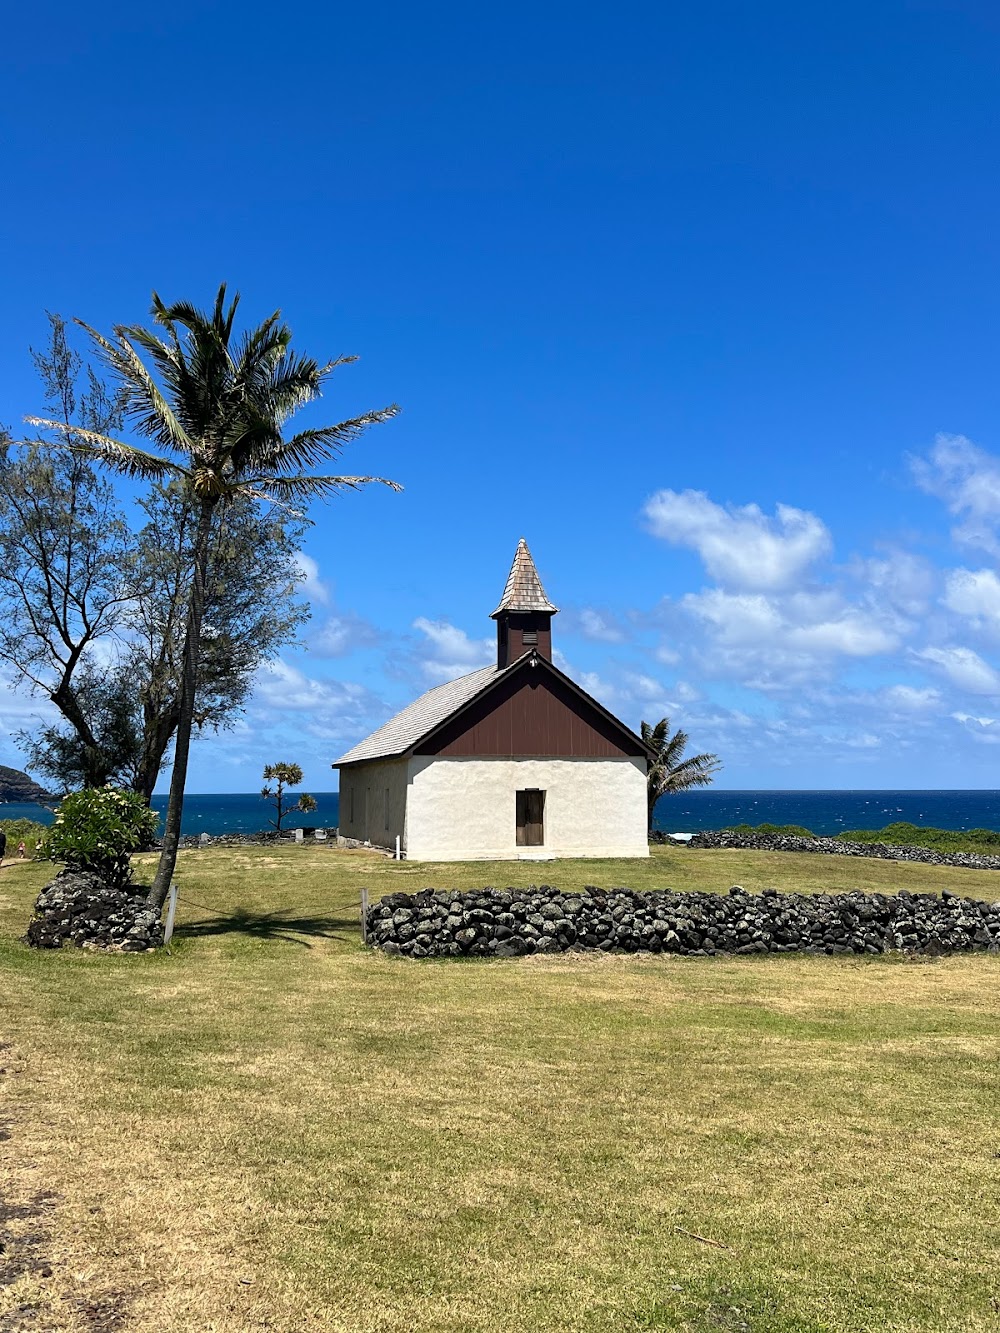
column 820, row 811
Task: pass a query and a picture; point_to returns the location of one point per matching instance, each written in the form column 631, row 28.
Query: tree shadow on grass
column 277, row 925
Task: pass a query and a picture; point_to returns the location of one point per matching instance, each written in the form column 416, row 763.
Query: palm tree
column 217, row 406
column 669, row 771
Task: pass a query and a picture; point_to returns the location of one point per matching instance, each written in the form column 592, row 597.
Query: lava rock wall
column 79, row 908
column 508, row 923
column 781, row 842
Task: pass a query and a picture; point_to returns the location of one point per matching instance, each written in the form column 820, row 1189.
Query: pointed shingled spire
column 524, row 591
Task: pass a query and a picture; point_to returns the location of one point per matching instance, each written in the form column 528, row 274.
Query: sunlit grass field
column 273, row 1128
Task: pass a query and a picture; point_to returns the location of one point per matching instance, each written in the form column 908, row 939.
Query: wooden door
column 531, row 818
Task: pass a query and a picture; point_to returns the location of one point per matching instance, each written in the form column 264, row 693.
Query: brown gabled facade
column 532, row 710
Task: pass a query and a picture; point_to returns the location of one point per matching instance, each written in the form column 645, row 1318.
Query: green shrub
column 984, row 841
column 98, row 829
column 22, row 830
column 782, row 830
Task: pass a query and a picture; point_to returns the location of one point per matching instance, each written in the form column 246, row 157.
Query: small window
column 351, row 817
column 387, row 809
column 530, row 807
column 530, row 637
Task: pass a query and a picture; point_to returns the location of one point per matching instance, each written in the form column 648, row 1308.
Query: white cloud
column 645, row 687
column 974, row 593
column 851, row 634
column 901, row 580
column 910, row 698
column 341, row 634
column 737, row 618
column 285, row 688
column 452, row 652
column 668, row 656
column 598, row 626
column 804, row 625
column 964, row 668
column 312, row 585
column 986, row 730
column 740, row 545
column 967, row 479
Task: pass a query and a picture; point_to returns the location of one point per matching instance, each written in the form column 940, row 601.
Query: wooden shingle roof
column 418, row 718
column 524, row 591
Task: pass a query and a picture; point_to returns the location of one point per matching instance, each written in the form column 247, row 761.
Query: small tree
column 670, row 771
column 98, row 829
column 285, row 775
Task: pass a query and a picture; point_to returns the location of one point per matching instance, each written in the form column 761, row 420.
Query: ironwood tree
column 670, row 771
column 284, row 776
column 64, row 556
column 216, row 405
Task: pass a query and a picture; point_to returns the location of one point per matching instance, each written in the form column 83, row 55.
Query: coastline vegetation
column 22, row 830
column 984, row 841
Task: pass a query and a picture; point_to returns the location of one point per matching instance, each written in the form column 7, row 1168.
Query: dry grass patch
column 282, row 1131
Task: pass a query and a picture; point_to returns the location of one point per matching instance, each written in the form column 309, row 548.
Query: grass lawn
column 272, row 1128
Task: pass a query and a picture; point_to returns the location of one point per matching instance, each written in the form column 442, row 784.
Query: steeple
column 524, row 616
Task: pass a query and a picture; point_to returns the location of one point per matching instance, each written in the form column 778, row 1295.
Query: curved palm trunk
column 185, row 720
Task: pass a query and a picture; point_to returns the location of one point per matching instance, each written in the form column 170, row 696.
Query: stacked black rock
column 508, row 923
column 784, row 842
column 79, row 908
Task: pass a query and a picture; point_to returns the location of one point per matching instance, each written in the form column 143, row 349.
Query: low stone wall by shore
column 505, row 923
column 780, row 842
column 249, row 839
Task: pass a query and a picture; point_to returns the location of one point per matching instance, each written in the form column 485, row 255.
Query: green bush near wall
column 983, row 840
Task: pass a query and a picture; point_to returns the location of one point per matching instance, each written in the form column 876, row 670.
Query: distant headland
column 16, row 786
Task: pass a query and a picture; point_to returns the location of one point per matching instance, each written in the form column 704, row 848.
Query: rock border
column 506, row 923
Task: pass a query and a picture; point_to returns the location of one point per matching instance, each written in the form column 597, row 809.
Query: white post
column 364, row 916
column 168, row 929
column 299, row 835
column 398, row 857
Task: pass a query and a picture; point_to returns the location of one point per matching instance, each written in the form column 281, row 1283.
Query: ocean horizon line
column 822, row 810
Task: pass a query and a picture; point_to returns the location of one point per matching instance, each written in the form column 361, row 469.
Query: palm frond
column 308, row 488
column 347, row 360
column 152, row 413
column 124, row 458
column 292, row 384
column 694, row 772
column 261, row 350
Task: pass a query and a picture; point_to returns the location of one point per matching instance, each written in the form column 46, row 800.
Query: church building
column 514, row 761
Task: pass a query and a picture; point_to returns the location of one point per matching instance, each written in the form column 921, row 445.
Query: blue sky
column 700, row 299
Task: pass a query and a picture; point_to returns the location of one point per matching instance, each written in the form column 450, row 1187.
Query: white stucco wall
column 464, row 809
column 363, row 789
